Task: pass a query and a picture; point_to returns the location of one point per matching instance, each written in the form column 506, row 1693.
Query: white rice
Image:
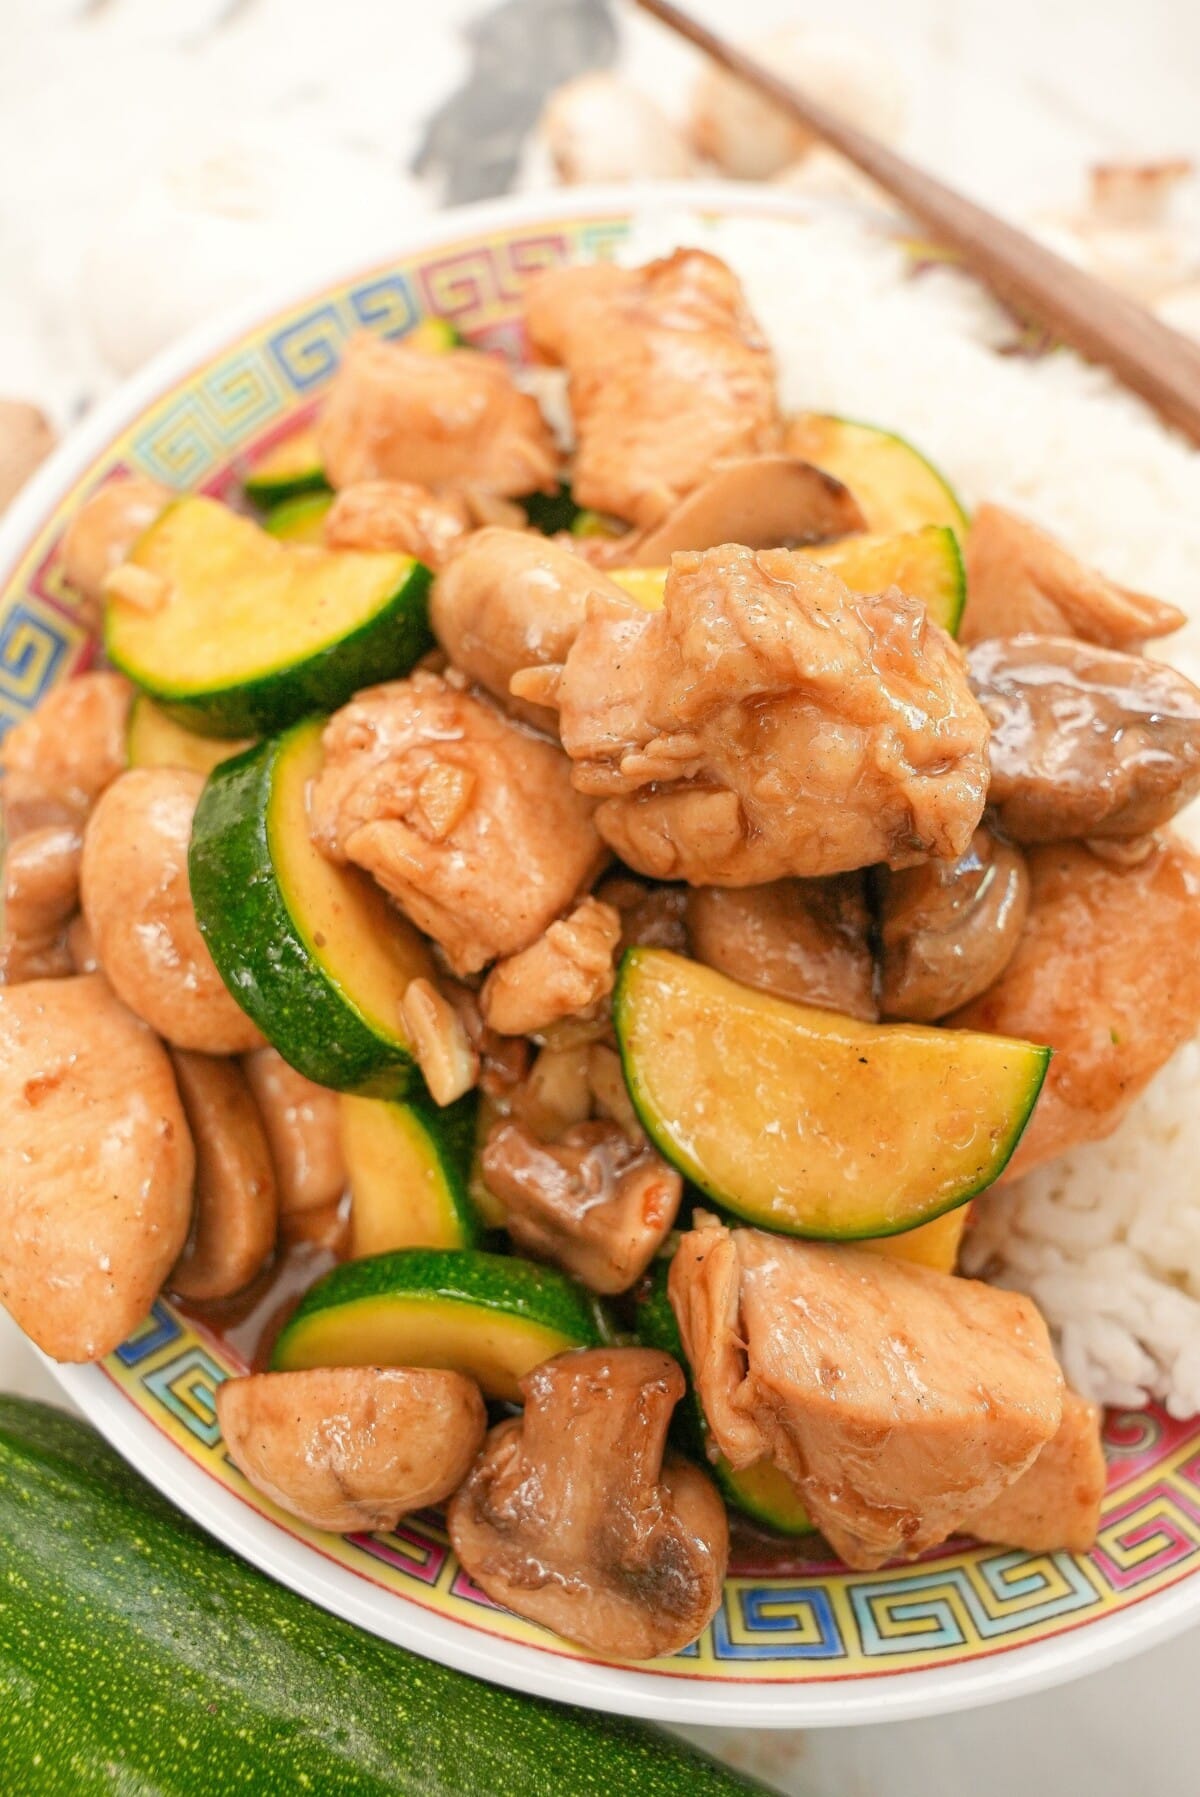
column 1107, row 1239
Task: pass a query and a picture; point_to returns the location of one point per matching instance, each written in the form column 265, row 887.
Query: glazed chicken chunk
column 1054, row 1507
column 897, row 1400
column 768, row 721
column 398, row 515
column 467, row 819
column 453, row 419
column 669, row 373
column 1107, row 971
column 1019, row 579
column 65, row 752
column 577, row 1515
column 568, row 972
column 40, row 880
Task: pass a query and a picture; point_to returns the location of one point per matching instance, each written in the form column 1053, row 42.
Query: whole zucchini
column 137, row 1655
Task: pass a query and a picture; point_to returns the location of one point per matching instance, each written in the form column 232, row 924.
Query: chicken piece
column 40, row 894
column 509, row 600
column 595, row 1202
column 1054, row 1507
column 96, row 1166
column 469, row 821
column 400, row 515
column 1020, row 580
column 138, row 904
column 897, row 1400
column 441, row 419
column 236, row 1203
column 577, row 1515
column 669, row 373
column 68, row 749
column 768, row 721
column 1107, row 972
column 567, row 972
column 80, row 947
column 805, row 940
column 27, row 804
column 353, row 1448
column 651, row 916
column 443, row 1050
column 1085, row 742
column 303, row 1125
column 948, row 929
column 104, row 530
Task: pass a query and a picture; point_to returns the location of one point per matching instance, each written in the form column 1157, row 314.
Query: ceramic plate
column 794, row 1642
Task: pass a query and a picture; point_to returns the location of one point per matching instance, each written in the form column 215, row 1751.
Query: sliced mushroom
column 303, row 1128
column 1021, row 581
column 576, row 1515
column 236, row 1204
column 761, row 501
column 39, row 894
column 567, row 972
column 593, row 1201
column 96, row 1166
column 805, row 940
column 138, row 904
column 350, row 1448
column 652, row 915
column 1085, row 741
column 947, row 929
column 510, row 600
column 102, row 532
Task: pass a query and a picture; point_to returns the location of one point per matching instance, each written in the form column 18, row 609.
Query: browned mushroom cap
column 236, row 1204
column 1085, row 741
column 595, row 1202
column 510, row 600
column 804, row 940
column 949, row 928
column 303, row 1125
column 574, row 1517
column 1020, row 580
column 762, row 502
column 348, row 1448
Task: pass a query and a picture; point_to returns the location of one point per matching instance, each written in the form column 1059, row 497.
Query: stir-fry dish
column 553, row 937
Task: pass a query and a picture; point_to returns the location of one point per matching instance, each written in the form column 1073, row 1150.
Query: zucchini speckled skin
column 138, row 1656
column 261, row 927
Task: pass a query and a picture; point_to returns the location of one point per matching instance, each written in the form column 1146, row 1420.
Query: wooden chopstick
column 1147, row 355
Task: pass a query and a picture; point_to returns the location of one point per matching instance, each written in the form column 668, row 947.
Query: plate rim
column 880, row 1696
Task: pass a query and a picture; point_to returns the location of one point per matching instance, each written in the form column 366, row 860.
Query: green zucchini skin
column 267, row 491
column 384, row 647
column 258, row 949
column 138, row 1656
column 501, row 1282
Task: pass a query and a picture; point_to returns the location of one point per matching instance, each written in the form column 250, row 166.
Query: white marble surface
column 285, row 128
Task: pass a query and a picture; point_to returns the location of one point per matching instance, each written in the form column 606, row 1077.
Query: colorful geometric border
column 809, row 1621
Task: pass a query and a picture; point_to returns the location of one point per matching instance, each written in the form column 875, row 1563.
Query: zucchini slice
column 808, row 1122
column 299, row 520
column 897, row 488
column 289, row 469
column 252, row 633
column 760, row 1492
column 487, row 1315
column 155, row 740
column 933, row 1244
column 926, row 564
column 408, row 1165
column 314, row 953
